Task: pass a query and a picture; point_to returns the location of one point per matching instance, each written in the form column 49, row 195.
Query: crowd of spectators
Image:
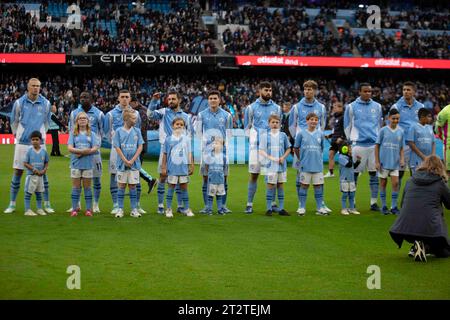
column 291, row 32
column 416, row 19
column 173, row 32
column 283, row 32
column 428, row 20
column 386, row 20
column 4, row 125
column 149, row 32
column 378, row 45
column 407, row 42
column 229, row 5
column 19, row 32
column 237, row 91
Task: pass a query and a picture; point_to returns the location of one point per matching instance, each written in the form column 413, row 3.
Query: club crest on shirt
column 135, row 138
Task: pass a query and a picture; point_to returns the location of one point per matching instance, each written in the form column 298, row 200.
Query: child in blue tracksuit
column 347, row 178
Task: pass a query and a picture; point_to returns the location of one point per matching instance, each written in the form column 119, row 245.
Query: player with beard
column 256, row 122
column 166, row 117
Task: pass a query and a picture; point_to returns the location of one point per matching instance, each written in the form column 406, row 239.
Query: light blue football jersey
column 113, row 120
column 216, row 169
column 275, row 145
column 424, row 139
column 82, row 141
column 391, row 142
column 96, row 119
column 362, row 122
column 166, row 117
column 36, row 159
column 346, row 174
column 210, row 125
column 299, row 111
column 28, row 116
column 178, row 150
column 128, row 141
column 408, row 114
column 311, row 146
column 256, row 115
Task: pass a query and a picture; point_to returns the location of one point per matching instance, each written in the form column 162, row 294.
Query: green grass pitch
column 236, row 256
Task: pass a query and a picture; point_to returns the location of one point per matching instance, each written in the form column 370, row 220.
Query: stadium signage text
column 148, row 58
column 394, row 63
column 288, row 61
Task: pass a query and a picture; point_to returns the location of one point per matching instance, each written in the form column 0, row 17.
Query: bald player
column 31, row 112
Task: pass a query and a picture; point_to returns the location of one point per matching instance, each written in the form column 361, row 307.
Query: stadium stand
column 306, row 28
column 280, row 31
column 332, row 31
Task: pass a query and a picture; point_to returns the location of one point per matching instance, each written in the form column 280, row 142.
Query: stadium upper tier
column 287, row 28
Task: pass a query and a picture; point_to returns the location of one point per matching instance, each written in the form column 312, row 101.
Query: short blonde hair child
column 127, row 114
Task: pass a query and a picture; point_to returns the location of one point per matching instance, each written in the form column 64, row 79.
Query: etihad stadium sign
column 152, row 59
